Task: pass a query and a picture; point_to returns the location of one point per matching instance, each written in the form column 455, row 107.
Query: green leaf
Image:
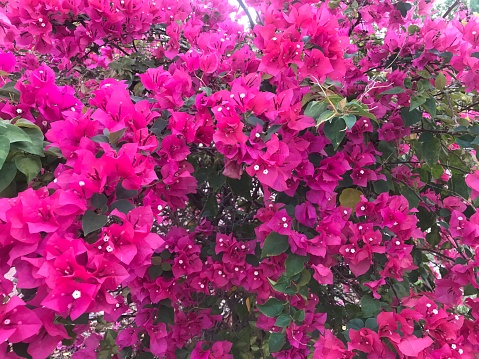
column 272, row 308
column 92, row 222
column 411, row 197
column 410, row 117
column 314, row 109
column 350, row 197
column 29, row 166
column 295, row 264
column 114, row 137
column 9, row 91
column 207, row 90
column 14, row 133
column 7, row 174
column 430, row 151
column 272, row 130
column 403, row 8
column 393, row 91
column 350, row 120
column 441, row 81
column 430, row 107
column 335, row 130
column 4, row 149
column 372, row 323
column 274, row 245
column 276, row 342
column 417, row 101
column 412, row 29
column 475, row 54
column 437, row 171
column 299, row 316
column 253, row 120
column 355, row 324
column 242, row 186
column 123, row 205
column 98, row 200
column 325, row 116
column 370, row 307
column 283, row 320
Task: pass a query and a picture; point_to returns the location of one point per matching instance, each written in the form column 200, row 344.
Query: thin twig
column 245, row 9
column 449, row 10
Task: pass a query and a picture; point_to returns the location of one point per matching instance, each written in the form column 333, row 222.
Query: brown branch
column 245, row 9
column 449, row 10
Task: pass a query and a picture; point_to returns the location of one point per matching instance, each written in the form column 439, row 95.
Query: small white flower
column 81, row 183
column 285, row 225
column 398, row 243
column 109, row 249
column 435, row 311
column 353, row 250
column 284, row 219
column 76, row 294
column 6, row 321
column 274, row 38
column 453, row 346
column 19, row 111
column 257, row 135
column 265, row 172
column 460, row 351
column 255, row 272
column 242, row 95
column 256, row 167
column 363, row 208
column 180, row 261
column 220, row 109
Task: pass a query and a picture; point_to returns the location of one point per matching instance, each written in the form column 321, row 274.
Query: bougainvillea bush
column 175, row 184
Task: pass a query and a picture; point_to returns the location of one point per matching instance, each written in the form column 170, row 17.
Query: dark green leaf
column 393, row 91
column 29, row 166
column 123, row 205
column 403, row 8
column 372, row 323
column 475, row 54
column 122, row 193
column 158, row 126
column 253, row 120
column 7, row 174
column 92, row 222
column 283, row 320
column 355, row 324
column 350, row 120
column 98, row 200
column 430, row 151
column 276, row 342
column 100, row 139
column 299, row 316
column 4, row 149
column 335, row 130
column 14, row 133
column 114, row 137
column 274, row 245
column 314, row 109
column 370, row 307
column 417, row 101
column 411, row 197
column 430, row 106
column 272, row 130
column 410, row 117
column 272, row 308
column 242, row 186
column 295, row 264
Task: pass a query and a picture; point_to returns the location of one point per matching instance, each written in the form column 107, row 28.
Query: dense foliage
column 175, row 185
